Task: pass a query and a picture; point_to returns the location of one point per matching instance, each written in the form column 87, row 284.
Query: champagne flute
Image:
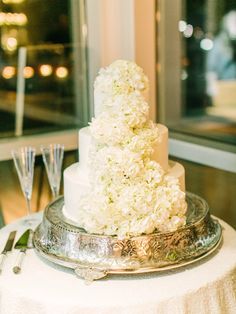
column 24, row 159
column 52, row 158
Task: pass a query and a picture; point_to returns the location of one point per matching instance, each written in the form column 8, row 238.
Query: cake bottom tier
column 76, row 184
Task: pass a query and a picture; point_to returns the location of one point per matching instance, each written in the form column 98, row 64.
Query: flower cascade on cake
column 129, row 194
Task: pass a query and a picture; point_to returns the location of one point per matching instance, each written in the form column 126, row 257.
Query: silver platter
column 94, row 256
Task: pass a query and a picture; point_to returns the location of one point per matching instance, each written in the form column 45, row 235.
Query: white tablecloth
column 44, row 288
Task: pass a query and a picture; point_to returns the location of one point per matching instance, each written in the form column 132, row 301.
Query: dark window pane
column 207, row 32
column 54, row 93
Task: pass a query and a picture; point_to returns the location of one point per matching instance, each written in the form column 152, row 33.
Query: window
column 197, row 78
column 43, row 70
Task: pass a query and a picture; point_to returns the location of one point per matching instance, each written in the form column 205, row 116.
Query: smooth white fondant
column 177, row 170
column 85, row 140
column 76, row 184
column 160, row 153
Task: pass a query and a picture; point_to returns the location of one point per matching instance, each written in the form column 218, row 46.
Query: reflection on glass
column 207, row 108
column 221, row 65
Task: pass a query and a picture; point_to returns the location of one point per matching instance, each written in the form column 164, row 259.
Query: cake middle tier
column 76, row 184
column 160, row 148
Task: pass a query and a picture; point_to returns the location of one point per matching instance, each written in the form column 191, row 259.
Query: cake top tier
column 122, row 77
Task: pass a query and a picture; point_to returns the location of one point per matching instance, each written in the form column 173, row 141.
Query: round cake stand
column 94, row 256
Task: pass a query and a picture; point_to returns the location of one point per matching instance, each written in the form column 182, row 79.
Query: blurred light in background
column 188, row 32
column 28, row 72
column 12, row 1
column 8, row 72
column 198, row 33
column 61, row 72
column 206, row 44
column 45, row 70
column 11, row 44
column 184, row 75
column 182, row 26
column 18, row 19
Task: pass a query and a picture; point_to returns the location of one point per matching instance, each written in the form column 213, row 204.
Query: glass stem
column 28, row 205
column 55, row 193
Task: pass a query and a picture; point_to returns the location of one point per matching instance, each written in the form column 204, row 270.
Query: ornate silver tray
column 94, row 256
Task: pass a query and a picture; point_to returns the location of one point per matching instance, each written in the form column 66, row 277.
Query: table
column 207, row 287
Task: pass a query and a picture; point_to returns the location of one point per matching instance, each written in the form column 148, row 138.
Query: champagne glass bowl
column 53, row 157
column 24, row 160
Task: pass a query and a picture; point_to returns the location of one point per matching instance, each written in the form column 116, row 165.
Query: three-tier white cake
column 124, row 183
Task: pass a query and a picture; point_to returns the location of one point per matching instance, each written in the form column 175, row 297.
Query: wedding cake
column 124, row 184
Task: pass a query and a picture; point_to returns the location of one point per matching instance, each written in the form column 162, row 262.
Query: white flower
column 153, row 174
column 132, row 109
column 109, row 130
column 144, row 139
column 119, row 119
column 115, row 162
column 121, row 77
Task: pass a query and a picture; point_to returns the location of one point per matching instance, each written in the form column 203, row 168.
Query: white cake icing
column 177, row 171
column 76, row 184
column 124, row 184
column 160, row 148
column 85, row 140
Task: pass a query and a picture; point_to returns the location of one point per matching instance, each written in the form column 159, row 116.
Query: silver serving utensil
column 24, row 242
column 7, row 248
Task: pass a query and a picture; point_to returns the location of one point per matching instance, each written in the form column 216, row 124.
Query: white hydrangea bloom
column 121, row 77
column 117, row 162
column 144, row 139
column 109, row 130
column 132, row 109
